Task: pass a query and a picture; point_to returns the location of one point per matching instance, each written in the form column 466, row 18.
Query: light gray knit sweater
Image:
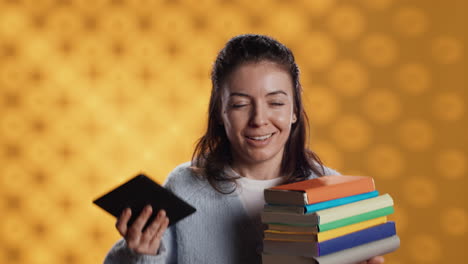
column 220, row 231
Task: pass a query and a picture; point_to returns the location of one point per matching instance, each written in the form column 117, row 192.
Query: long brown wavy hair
column 213, row 150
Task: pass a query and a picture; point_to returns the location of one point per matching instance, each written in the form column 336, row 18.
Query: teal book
column 310, row 208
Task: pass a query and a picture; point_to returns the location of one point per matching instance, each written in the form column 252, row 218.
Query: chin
column 261, row 157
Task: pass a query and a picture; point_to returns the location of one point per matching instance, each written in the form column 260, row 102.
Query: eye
column 239, row 105
column 276, row 103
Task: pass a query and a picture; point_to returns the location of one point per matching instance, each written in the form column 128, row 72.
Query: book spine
column 357, row 238
column 307, row 249
column 292, row 209
column 292, row 228
column 277, row 218
column 281, row 259
column 285, row 197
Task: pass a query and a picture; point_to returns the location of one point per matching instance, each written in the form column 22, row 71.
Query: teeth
column 262, row 137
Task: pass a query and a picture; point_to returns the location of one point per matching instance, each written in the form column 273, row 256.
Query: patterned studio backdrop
column 93, row 92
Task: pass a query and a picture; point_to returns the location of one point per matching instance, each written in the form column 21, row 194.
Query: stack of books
column 327, row 220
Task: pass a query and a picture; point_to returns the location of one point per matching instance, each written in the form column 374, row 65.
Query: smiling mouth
column 261, row 138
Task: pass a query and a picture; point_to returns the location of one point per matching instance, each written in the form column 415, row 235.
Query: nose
column 259, row 116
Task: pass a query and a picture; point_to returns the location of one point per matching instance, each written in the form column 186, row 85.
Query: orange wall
column 93, row 92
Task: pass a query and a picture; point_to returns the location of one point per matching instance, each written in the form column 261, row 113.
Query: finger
column 142, row 219
column 122, row 221
column 152, row 229
column 160, row 233
column 376, row 260
column 134, row 232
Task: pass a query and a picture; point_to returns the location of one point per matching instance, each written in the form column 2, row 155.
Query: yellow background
column 93, row 92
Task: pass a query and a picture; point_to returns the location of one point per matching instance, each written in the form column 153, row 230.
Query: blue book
column 310, row 208
column 357, row 238
column 314, row 249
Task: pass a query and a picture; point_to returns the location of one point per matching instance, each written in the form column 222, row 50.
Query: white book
column 348, row 210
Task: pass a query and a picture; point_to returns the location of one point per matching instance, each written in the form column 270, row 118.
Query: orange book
column 319, row 189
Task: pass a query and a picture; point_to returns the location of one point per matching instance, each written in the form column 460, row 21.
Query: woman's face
column 257, row 112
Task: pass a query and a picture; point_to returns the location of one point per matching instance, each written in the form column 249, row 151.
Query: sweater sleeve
column 120, row 253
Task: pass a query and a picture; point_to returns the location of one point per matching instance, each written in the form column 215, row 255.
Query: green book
column 356, row 219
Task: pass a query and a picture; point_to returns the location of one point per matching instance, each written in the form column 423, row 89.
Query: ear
column 294, row 118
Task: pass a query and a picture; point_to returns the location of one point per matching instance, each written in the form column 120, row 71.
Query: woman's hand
column 143, row 242
column 374, row 260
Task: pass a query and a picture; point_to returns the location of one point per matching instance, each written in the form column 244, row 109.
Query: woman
column 256, row 139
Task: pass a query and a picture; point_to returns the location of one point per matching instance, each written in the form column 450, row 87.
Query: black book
column 139, row 192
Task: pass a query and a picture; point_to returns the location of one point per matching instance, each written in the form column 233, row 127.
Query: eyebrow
column 277, row 92
column 269, row 94
column 238, row 94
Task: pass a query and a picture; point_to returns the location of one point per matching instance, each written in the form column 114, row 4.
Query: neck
column 258, row 171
